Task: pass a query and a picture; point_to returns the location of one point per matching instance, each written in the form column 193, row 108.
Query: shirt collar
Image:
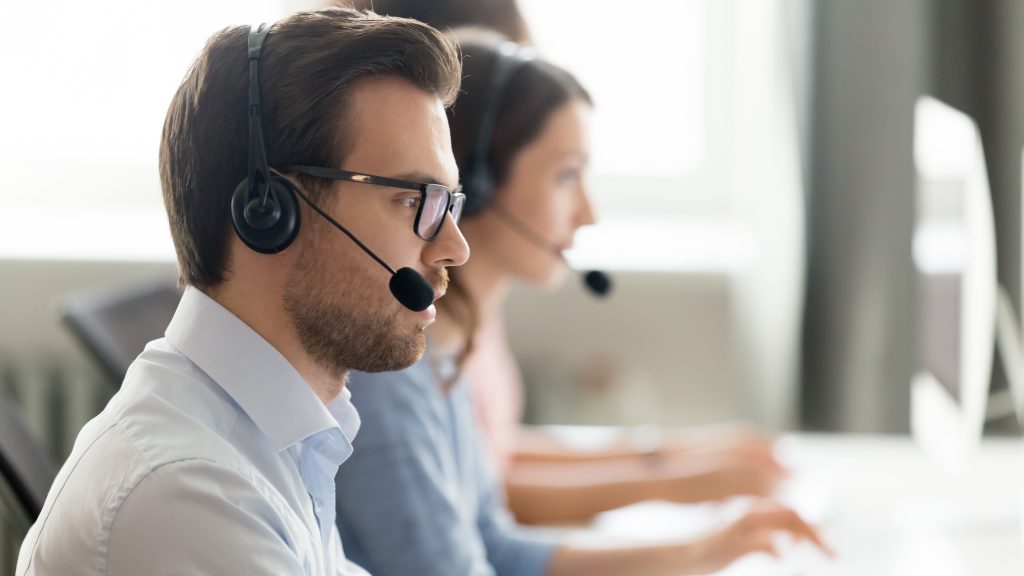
column 263, row 383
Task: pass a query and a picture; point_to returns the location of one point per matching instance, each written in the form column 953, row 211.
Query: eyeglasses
column 435, row 199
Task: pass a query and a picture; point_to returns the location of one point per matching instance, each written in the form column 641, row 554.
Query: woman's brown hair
column 532, row 94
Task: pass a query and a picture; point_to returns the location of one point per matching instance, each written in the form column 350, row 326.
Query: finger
column 823, row 545
column 767, row 458
column 761, row 483
column 774, row 466
column 793, row 523
column 769, row 514
column 735, row 542
column 753, row 456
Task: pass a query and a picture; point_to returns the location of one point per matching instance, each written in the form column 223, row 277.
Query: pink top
column 496, row 388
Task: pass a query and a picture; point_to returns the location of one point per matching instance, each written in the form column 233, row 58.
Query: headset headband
column 509, row 59
column 258, row 168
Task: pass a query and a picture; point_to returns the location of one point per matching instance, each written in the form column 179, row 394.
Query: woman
column 545, row 481
column 420, row 496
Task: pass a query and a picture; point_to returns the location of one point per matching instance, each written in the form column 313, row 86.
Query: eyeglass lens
column 435, row 202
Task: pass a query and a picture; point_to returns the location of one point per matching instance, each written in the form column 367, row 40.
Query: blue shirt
column 215, row 457
column 419, row 497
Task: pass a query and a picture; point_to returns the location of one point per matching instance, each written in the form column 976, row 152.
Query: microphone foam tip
column 411, row 289
column 599, row 283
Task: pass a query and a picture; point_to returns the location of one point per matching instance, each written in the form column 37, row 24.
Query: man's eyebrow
column 422, row 178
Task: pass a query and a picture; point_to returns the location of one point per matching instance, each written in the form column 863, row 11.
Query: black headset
column 264, row 209
column 478, row 178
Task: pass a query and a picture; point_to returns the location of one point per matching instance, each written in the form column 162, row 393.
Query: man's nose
column 449, row 248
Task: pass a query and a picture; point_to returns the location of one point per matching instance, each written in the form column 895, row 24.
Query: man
column 219, row 453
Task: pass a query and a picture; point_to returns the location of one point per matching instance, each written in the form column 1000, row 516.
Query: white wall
column 659, row 349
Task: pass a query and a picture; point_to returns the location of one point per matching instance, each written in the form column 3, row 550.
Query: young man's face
column 337, row 295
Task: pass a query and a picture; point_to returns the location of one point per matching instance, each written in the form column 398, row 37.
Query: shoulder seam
column 56, row 496
column 114, row 507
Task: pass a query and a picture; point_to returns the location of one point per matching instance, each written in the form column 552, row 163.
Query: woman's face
column 544, row 190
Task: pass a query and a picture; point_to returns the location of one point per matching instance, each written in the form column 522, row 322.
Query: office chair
column 115, row 324
column 23, row 464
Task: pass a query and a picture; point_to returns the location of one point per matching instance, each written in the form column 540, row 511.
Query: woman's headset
column 478, row 178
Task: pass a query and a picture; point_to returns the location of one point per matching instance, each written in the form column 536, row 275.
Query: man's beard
column 352, row 325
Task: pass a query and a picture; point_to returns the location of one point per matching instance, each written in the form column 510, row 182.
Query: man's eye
column 410, row 202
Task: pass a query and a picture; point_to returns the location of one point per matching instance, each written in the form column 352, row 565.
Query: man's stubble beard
column 353, row 323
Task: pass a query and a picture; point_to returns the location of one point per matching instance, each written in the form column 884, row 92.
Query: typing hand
column 755, row 531
column 723, row 476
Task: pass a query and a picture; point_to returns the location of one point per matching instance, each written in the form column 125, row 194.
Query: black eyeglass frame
column 454, row 196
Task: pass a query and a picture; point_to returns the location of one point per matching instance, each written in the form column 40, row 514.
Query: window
column 661, row 79
column 87, row 85
column 658, row 78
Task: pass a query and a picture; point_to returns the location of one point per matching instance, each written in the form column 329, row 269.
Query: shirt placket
column 318, row 472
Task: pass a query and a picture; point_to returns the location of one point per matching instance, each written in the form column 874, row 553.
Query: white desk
column 890, row 511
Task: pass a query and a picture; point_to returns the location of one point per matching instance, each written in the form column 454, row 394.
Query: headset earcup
column 479, row 188
column 275, row 233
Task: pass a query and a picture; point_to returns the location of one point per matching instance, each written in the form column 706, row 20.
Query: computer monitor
column 954, row 252
column 1009, row 337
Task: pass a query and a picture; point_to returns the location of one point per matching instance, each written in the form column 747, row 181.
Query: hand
column 716, row 477
column 734, row 438
column 752, row 532
column 720, row 463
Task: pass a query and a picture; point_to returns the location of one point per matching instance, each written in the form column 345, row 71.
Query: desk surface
column 886, row 508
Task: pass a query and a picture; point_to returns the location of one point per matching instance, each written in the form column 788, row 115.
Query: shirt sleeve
column 512, row 549
column 197, row 517
column 406, row 505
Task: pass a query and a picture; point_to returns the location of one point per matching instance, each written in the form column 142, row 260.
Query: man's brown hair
column 309, row 65
column 501, row 15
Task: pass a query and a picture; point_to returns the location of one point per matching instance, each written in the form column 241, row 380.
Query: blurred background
column 753, row 174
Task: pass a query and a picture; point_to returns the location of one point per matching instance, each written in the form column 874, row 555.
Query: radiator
column 57, row 394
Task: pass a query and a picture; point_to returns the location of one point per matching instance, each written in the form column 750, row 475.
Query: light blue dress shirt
column 419, row 496
column 215, row 457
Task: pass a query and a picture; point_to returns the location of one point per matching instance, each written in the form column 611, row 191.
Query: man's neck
column 264, row 314
column 328, row 388
column 488, row 287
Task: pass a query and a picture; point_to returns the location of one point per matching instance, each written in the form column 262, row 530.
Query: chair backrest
column 116, row 323
column 24, row 465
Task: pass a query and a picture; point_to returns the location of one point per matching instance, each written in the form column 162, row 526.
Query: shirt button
column 319, row 506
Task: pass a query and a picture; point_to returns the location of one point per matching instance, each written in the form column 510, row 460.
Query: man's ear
column 307, row 216
column 294, row 181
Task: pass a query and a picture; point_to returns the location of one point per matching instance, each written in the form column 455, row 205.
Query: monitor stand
column 1011, row 350
column 949, row 429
